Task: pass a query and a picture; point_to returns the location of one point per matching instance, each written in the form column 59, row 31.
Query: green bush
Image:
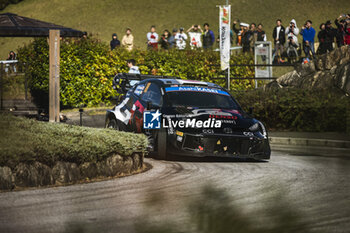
column 87, row 68
column 295, row 109
column 4, row 3
column 25, row 140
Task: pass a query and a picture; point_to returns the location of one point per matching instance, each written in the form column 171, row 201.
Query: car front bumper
column 219, row 145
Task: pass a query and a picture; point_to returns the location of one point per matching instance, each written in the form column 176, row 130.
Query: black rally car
column 185, row 117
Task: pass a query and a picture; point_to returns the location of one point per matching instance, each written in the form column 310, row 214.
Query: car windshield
column 209, row 98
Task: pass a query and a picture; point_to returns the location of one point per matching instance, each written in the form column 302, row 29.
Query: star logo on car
column 155, row 115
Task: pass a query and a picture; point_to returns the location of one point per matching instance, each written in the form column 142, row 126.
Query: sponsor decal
column 197, row 89
column 226, row 117
column 208, row 131
column 179, row 138
column 191, row 123
column 248, row 134
column 179, row 133
column 151, row 119
column 139, row 89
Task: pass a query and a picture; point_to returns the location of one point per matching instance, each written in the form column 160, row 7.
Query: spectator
column 172, row 38
column 238, row 32
column 133, row 69
column 195, row 33
column 292, row 33
column 208, row 37
column 11, row 56
column 308, row 33
column 341, row 24
column 321, row 39
column 128, row 40
column 85, row 35
column 330, row 33
column 180, row 39
column 164, row 40
column 246, row 38
column 347, row 31
column 254, row 35
column 279, row 38
column 114, row 42
column 260, row 35
column 152, row 39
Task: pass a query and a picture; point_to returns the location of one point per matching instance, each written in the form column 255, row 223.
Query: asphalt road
column 315, row 185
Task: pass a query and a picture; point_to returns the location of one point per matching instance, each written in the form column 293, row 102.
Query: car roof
column 182, row 82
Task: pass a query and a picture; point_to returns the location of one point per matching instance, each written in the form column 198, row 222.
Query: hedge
column 4, row 3
column 87, row 68
column 297, row 109
column 26, row 140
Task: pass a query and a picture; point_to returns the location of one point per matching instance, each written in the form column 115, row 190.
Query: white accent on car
column 122, row 116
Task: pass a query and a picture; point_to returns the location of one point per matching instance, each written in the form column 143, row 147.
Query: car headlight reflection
column 258, row 127
column 254, row 128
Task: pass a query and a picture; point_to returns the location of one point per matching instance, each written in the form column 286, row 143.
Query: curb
column 309, row 142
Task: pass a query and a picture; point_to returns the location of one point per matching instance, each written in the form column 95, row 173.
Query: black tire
column 161, row 144
column 113, row 124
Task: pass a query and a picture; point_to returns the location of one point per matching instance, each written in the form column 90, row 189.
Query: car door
column 152, row 94
column 132, row 106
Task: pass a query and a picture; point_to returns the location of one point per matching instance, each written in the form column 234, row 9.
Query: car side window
column 152, row 93
column 139, row 89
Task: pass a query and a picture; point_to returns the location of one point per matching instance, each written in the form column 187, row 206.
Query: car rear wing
column 123, row 82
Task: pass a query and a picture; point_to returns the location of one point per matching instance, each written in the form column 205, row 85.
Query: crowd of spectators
column 284, row 38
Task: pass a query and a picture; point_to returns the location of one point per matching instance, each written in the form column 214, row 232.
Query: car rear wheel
column 161, row 144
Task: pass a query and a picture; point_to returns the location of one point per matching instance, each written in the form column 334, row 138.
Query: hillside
column 102, row 18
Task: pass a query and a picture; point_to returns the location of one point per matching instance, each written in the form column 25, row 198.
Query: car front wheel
column 113, row 124
column 161, row 144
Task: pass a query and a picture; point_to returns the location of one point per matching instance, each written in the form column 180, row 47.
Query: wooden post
column 1, row 85
column 54, row 82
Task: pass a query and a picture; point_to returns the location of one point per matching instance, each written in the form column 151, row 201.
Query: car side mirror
column 251, row 110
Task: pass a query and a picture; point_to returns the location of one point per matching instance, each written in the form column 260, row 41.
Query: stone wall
column 329, row 71
column 37, row 174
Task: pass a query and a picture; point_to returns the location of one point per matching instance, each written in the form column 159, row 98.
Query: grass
column 102, row 18
column 26, row 140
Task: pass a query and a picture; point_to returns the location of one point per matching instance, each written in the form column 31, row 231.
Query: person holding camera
column 195, row 33
column 341, row 24
column 180, row 39
column 308, row 33
column 292, row 33
column 164, row 40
